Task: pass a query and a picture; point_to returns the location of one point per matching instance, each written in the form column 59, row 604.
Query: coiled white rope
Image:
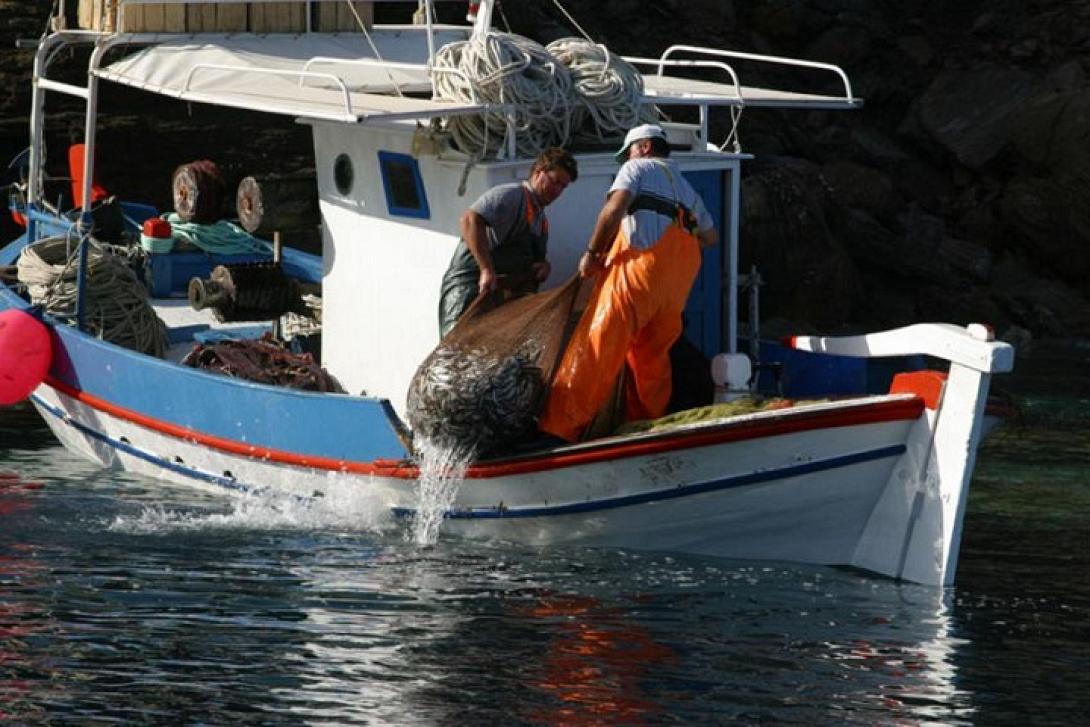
column 573, row 90
column 519, row 77
column 608, row 90
column 117, row 309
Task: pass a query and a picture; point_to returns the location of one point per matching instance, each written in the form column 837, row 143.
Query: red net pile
column 265, row 361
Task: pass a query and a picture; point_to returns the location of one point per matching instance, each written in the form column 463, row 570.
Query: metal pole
column 754, row 283
column 89, row 123
column 484, row 18
column 84, row 224
column 431, row 43
column 732, row 254
column 81, row 278
column 431, row 33
column 37, row 123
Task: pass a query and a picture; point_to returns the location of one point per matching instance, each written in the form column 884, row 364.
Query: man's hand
column 708, row 238
column 487, row 282
column 541, row 270
column 590, row 265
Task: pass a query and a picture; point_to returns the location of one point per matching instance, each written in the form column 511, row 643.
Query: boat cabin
column 389, row 236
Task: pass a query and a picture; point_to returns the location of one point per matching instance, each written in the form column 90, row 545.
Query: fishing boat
column 845, row 475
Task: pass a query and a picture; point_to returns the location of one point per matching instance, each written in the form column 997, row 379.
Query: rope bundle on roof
column 608, row 90
column 506, row 69
column 571, row 90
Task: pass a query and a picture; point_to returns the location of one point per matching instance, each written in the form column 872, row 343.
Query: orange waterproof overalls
column 633, row 317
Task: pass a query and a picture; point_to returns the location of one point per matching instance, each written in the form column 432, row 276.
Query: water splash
column 343, row 506
column 442, row 469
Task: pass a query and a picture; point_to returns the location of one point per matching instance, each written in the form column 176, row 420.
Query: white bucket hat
column 645, row 131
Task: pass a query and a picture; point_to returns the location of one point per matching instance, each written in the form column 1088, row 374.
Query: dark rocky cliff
column 960, row 192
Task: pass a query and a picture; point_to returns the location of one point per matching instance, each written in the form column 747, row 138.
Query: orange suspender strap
column 531, row 209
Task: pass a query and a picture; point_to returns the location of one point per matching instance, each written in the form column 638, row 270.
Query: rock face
column 960, row 192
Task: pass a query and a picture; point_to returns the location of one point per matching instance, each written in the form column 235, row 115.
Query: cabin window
column 403, row 184
column 343, row 174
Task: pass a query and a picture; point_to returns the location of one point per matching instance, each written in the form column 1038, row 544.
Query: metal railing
column 776, row 60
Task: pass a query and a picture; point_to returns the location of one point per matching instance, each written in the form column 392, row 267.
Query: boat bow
column 914, row 532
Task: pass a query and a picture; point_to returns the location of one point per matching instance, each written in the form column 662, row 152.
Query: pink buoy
column 26, row 351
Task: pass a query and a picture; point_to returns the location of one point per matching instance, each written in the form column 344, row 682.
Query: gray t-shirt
column 514, row 217
column 518, row 234
column 660, row 178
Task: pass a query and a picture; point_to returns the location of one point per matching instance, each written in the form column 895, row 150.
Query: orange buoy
column 26, row 350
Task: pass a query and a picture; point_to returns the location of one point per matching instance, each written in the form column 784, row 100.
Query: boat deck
column 186, row 327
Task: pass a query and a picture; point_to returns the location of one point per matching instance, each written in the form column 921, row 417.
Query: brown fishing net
column 265, row 361
column 484, row 385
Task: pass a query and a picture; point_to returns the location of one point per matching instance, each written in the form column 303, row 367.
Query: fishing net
column 484, row 385
column 265, row 361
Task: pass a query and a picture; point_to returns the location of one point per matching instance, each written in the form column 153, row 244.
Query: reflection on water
column 595, row 662
column 125, row 600
column 158, row 607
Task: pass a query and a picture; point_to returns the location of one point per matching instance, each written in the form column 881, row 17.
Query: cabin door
column 703, row 312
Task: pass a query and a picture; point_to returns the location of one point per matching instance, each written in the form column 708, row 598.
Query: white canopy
column 340, row 77
column 319, row 76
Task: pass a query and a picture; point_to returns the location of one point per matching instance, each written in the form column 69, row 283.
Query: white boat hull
column 803, row 495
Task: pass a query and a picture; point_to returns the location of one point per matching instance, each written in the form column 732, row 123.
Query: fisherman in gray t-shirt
column 505, row 233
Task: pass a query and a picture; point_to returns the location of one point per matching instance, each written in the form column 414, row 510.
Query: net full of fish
column 473, row 399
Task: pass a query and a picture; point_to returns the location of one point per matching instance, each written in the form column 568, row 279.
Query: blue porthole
column 404, row 186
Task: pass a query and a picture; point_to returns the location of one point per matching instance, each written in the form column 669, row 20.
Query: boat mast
column 483, row 22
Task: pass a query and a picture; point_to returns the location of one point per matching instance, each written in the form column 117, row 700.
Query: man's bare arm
column 605, row 231
column 475, row 233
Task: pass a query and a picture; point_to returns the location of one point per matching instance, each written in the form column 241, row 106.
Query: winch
column 250, row 292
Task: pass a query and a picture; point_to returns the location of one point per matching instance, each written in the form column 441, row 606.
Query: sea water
column 124, row 600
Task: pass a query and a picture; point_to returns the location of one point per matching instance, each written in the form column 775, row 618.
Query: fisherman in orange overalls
column 647, row 240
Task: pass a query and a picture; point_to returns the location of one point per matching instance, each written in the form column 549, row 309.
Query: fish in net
column 476, row 400
column 483, row 387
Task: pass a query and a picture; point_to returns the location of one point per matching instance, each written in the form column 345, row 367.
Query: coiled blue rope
column 219, row 238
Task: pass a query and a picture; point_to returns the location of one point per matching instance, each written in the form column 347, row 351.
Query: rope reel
column 277, row 203
column 198, row 191
column 248, row 292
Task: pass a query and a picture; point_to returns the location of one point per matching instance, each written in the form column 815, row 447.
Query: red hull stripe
column 885, row 411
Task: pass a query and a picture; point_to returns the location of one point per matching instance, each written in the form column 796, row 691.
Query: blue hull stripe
column 697, row 488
